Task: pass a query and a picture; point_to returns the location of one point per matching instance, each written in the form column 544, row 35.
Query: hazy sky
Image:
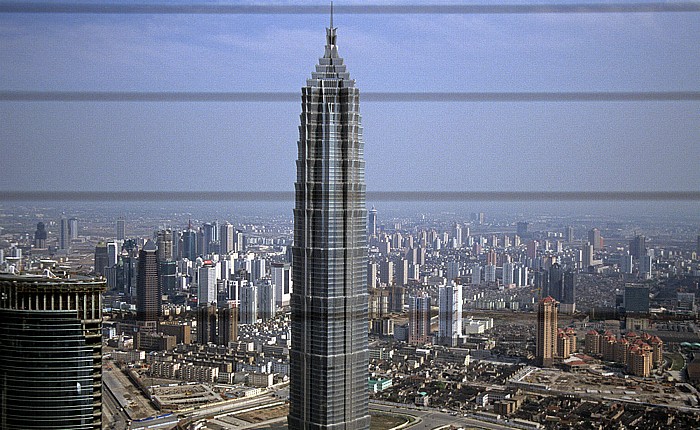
column 629, row 146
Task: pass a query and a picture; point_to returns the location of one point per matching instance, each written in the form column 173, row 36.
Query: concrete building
column 546, row 331
column 450, row 326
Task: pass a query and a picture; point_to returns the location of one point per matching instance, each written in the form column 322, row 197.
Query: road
column 433, row 418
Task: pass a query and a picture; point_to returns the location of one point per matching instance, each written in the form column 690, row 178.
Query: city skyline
column 501, row 146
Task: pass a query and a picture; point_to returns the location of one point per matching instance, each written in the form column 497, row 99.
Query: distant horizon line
column 386, row 196
column 366, row 96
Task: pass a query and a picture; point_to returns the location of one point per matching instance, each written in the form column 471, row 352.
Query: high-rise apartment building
column 226, row 239
column 148, row 293
column 419, row 319
column 329, row 353
column 206, row 283
column 450, row 314
column 50, row 352
column 281, row 275
column 546, row 331
column 249, row 304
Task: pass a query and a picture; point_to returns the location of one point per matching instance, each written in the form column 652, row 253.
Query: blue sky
column 629, row 146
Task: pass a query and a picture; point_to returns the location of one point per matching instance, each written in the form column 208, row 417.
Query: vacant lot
column 261, row 415
column 385, row 422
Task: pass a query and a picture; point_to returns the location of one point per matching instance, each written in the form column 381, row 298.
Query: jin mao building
column 329, row 353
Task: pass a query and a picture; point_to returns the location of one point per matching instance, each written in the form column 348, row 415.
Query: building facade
column 50, row 353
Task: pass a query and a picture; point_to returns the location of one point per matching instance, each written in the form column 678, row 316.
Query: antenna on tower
column 331, row 14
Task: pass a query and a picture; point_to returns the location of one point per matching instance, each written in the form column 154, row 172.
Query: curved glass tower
column 329, row 354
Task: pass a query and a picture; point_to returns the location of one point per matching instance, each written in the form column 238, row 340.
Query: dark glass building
column 50, row 353
column 329, row 354
column 148, row 285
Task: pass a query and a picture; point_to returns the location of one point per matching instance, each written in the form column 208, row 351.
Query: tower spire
column 331, row 14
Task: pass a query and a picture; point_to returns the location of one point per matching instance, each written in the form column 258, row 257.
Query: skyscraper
column 595, row 239
column 638, row 247
column 206, row 284
column 64, row 238
column 419, row 319
column 73, row 228
column 450, row 314
column 121, row 229
column 40, row 236
column 372, row 229
column 226, row 238
column 546, row 331
column 281, row 275
column 50, row 353
column 148, row 294
column 329, row 353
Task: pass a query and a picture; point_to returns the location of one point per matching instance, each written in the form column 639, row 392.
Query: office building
column 587, row 256
column 101, row 258
column 121, row 229
column 546, row 331
column 226, row 238
column 329, row 354
column 386, row 272
column 569, row 234
column 249, row 304
column 148, row 293
column 636, row 299
column 568, row 298
column 449, row 314
column 555, row 286
column 189, row 244
column 419, row 319
column 73, row 228
column 64, row 235
column 50, row 352
column 595, row 239
column 164, row 243
column 281, row 275
column 372, row 222
column 638, row 247
column 40, row 236
column 206, row 283
column 266, row 300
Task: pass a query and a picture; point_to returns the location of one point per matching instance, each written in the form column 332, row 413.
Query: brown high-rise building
column 148, row 288
column 419, row 319
column 217, row 325
column 546, row 331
